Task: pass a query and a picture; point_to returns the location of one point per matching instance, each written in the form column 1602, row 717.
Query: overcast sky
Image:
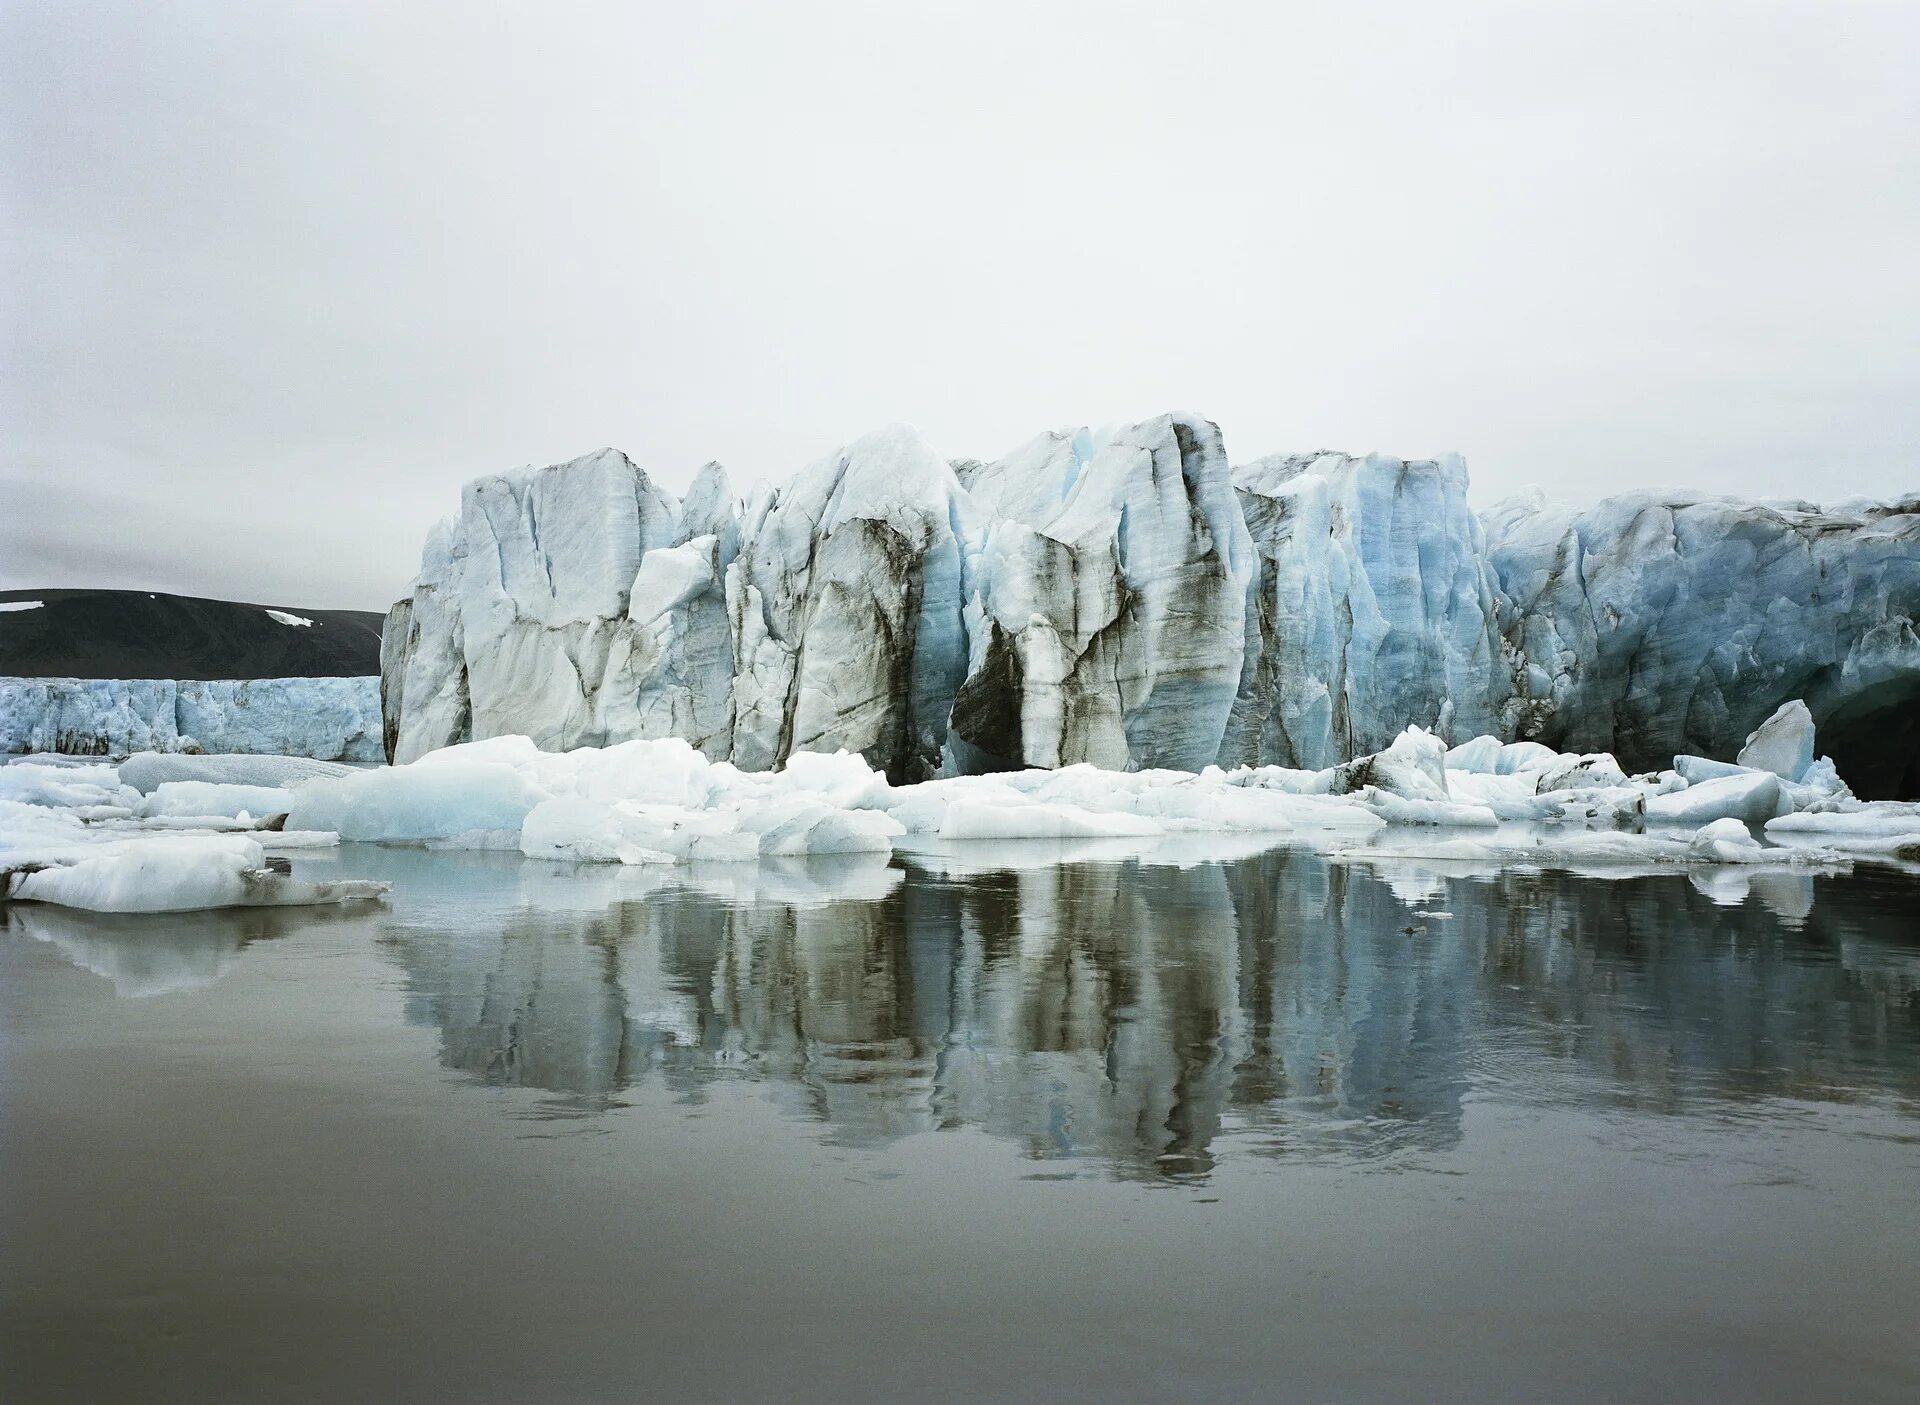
column 280, row 276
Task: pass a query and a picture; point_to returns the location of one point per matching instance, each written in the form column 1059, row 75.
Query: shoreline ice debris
column 663, row 802
column 1133, row 600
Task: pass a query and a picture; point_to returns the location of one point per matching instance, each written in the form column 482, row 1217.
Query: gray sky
column 280, row 276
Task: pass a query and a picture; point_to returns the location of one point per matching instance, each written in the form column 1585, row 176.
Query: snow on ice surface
column 7, row 606
column 299, row 621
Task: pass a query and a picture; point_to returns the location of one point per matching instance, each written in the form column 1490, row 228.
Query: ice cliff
column 1654, row 625
column 331, row 719
column 1130, row 600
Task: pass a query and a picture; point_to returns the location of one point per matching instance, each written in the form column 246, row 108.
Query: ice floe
column 172, row 830
column 179, row 874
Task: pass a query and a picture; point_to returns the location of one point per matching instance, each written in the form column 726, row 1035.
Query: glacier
column 1651, row 624
column 329, row 719
column 1128, row 598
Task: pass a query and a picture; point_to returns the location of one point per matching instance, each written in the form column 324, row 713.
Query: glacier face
column 1651, row 625
column 846, row 607
column 1106, row 622
column 330, row 719
column 1129, row 600
column 1375, row 609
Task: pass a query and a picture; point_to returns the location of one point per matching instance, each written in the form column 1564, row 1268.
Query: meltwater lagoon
column 975, row 1122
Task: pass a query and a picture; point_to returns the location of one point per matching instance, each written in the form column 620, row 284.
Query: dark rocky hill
column 137, row 634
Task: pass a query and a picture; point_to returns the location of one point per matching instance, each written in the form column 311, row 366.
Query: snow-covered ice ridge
column 332, row 719
column 1129, row 600
column 162, row 833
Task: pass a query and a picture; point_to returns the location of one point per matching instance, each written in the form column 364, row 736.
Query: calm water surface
column 952, row 1128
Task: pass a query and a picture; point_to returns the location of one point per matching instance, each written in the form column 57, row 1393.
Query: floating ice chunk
column 591, row 831
column 1725, row 841
column 497, row 841
column 582, row 831
column 1783, row 744
column 1593, row 771
column 1695, row 769
column 1414, row 767
column 147, row 771
column 24, row 824
column 1753, row 797
column 64, row 787
column 840, row 777
column 922, row 809
column 1877, row 819
column 9, row 606
column 1481, row 756
column 1904, row 848
column 1336, row 814
column 974, row 819
column 666, row 772
column 412, row 804
column 1518, row 758
column 284, row 617
column 1511, row 797
column 295, row 838
column 1399, row 809
column 978, row 856
column 1285, row 778
column 1819, row 788
column 180, row 875
column 173, row 798
column 1212, row 805
column 1618, row 806
column 801, row 824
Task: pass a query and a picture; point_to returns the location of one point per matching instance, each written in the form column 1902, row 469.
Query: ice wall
column 332, row 719
column 1107, row 615
column 1374, row 609
column 1125, row 599
column 1651, row 625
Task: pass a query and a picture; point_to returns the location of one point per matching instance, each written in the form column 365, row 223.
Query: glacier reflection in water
column 1155, row 1018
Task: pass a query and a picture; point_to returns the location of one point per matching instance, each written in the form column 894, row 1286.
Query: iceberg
column 147, row 771
column 1783, row 744
column 664, row 804
column 183, row 874
column 205, row 798
column 1753, row 797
